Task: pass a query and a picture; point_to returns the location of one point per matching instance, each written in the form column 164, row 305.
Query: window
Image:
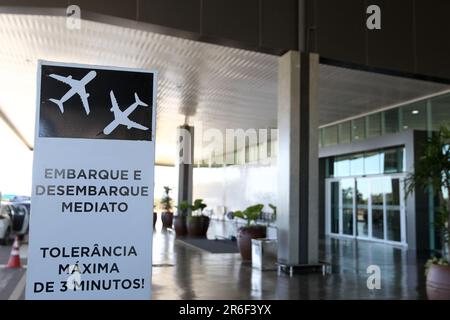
column 341, row 167
column 414, row 116
column 390, row 118
column 374, row 125
column 440, row 112
column 393, row 160
column 329, row 136
column 368, row 163
column 357, row 165
column 358, row 129
column 345, row 132
column 372, row 163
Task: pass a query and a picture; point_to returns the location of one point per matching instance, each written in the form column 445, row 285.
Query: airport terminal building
column 335, row 106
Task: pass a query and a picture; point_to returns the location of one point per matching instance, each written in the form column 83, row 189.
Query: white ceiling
column 220, row 86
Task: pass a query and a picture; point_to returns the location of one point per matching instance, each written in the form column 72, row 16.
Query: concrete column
column 185, row 159
column 298, row 190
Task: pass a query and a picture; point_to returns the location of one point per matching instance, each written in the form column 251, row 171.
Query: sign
column 93, row 172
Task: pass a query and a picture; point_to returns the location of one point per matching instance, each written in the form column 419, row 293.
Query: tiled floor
column 181, row 272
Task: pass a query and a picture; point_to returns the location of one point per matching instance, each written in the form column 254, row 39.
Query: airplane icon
column 77, row 87
column 121, row 117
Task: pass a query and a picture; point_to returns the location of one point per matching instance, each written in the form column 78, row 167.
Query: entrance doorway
column 370, row 208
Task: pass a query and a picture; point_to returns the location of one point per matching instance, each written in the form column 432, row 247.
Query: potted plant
column 180, row 219
column 250, row 231
column 433, row 169
column 197, row 225
column 166, row 206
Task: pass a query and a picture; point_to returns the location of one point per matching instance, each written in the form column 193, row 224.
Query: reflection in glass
column 378, row 187
column 341, row 167
column 372, row 163
column 393, row 193
column 377, row 224
column 393, row 225
column 357, row 165
column 371, row 207
column 347, row 187
column 335, row 207
column 392, row 160
column 393, row 211
column 362, row 209
column 347, row 220
column 414, row 116
column 375, row 162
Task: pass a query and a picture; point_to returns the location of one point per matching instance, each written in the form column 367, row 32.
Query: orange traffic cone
column 14, row 258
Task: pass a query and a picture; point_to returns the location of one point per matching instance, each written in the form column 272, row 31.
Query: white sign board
column 93, row 176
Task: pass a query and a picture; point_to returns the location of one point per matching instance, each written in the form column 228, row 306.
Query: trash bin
column 264, row 254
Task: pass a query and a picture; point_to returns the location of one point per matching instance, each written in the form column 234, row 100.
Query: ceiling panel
column 220, row 86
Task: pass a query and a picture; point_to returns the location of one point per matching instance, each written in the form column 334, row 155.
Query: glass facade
column 368, row 191
column 425, row 115
column 334, row 207
column 373, row 125
column 367, row 208
column 365, row 198
column 345, row 132
column 383, row 161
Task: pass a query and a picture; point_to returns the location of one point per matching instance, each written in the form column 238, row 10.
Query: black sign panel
column 89, row 103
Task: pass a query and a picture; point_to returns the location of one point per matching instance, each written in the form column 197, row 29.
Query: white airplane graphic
column 77, row 87
column 121, row 117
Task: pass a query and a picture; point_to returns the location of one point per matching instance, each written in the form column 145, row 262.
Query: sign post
column 93, row 176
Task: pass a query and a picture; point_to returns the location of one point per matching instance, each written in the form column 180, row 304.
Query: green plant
column 198, row 205
column 166, row 200
column 187, row 208
column 274, row 211
column 183, row 207
column 250, row 214
column 433, row 170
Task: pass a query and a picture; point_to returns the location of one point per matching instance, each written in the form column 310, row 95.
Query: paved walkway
column 181, row 272
column 188, row 273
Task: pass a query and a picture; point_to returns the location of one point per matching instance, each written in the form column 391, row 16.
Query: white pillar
column 185, row 159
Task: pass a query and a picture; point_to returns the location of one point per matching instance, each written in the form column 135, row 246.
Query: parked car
column 5, row 226
column 20, row 218
column 17, row 209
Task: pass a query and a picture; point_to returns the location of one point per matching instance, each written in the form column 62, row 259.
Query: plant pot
column 438, row 282
column 180, row 226
column 167, row 219
column 205, row 225
column 155, row 216
column 194, row 226
column 245, row 236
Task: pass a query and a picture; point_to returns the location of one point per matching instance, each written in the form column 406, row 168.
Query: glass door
column 377, row 189
column 367, row 208
column 363, row 224
column 347, row 190
column 334, row 207
column 394, row 210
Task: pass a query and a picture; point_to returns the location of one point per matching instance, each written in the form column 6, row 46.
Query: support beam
column 298, row 219
column 14, row 129
column 185, row 159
